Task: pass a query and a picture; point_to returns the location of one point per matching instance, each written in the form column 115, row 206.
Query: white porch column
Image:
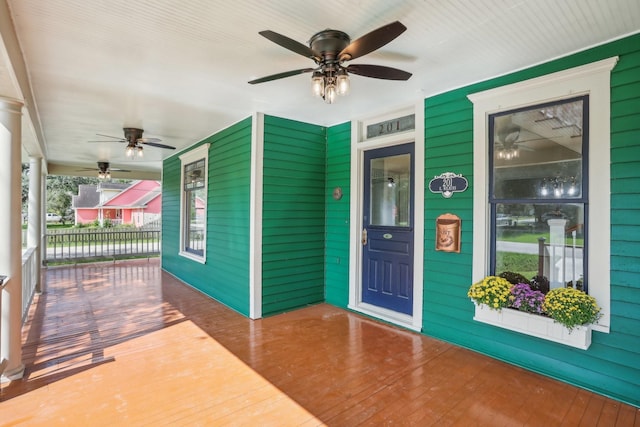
column 43, row 217
column 11, row 238
column 34, row 228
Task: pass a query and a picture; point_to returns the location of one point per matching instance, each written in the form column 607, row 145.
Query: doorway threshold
column 390, row 316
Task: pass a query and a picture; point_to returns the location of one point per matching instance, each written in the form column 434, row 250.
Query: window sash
column 561, row 260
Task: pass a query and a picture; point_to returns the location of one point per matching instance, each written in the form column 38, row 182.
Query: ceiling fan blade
column 281, row 75
column 378, row 72
column 148, row 140
column 155, row 144
column 121, row 140
column 290, row 44
column 372, row 41
column 118, row 170
column 109, row 136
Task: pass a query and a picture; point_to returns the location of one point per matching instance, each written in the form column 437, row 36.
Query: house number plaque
column 388, row 127
column 448, row 183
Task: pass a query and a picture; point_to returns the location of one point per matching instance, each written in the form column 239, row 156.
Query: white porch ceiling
column 179, row 69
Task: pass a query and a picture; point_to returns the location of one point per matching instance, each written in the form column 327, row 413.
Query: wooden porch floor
column 127, row 344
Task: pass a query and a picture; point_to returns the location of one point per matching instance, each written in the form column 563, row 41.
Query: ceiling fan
column 104, row 170
column 508, row 144
column 133, row 138
column 330, row 49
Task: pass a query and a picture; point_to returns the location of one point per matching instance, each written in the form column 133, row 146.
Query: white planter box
column 534, row 325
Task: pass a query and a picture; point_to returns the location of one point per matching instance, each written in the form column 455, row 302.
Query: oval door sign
column 448, row 183
column 387, row 236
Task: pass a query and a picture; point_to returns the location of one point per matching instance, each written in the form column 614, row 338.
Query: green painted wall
column 337, row 221
column 293, row 215
column 225, row 276
column 610, row 366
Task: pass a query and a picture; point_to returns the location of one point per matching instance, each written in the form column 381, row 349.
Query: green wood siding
column 610, row 365
column 292, row 215
column 337, row 221
column 225, row 275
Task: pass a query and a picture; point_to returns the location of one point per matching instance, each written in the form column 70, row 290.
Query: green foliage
column 492, row 290
column 571, row 307
column 540, row 283
column 524, row 264
column 514, row 278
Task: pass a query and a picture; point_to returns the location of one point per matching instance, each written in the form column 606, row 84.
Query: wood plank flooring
column 125, row 344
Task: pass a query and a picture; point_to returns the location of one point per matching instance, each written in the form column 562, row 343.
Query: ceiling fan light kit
column 132, row 150
column 134, row 140
column 330, row 49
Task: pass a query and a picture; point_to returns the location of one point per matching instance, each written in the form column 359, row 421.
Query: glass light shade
column 317, row 85
column 140, row 153
column 343, row 84
column 129, row 151
column 557, row 190
column 544, row 190
column 330, row 94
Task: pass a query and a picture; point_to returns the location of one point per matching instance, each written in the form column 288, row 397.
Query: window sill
column 193, row 257
column 534, row 325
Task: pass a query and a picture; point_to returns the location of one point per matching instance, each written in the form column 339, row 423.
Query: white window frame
column 593, row 80
column 202, row 152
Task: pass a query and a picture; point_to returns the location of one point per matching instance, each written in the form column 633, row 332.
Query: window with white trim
column 534, row 193
column 193, row 203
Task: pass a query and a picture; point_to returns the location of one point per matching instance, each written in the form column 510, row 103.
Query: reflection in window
column 194, row 198
column 390, row 190
column 538, row 192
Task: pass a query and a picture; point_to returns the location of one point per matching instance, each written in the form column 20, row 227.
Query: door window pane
column 390, row 188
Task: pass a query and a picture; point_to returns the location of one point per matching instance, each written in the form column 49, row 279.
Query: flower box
column 534, row 325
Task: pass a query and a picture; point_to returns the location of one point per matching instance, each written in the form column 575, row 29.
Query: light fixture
column 134, row 150
column 544, row 189
column 507, row 153
column 130, row 151
column 573, row 188
column 317, row 84
column 327, row 83
column 104, row 174
column 390, row 182
column 557, row 186
column 342, row 82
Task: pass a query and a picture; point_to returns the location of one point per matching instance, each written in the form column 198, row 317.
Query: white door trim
column 358, row 147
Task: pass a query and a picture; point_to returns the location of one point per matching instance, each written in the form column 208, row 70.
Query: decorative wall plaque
column 448, row 183
column 337, row 193
column 448, row 232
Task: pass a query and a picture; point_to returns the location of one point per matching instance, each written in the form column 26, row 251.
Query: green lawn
column 522, row 236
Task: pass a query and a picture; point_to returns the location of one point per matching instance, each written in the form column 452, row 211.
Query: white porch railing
column 29, row 279
column 29, row 282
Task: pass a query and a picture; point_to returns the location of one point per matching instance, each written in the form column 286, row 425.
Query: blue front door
column 387, row 234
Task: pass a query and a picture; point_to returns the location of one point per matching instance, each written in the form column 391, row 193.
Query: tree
column 60, row 192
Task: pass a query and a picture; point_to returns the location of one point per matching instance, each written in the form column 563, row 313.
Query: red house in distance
column 137, row 203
